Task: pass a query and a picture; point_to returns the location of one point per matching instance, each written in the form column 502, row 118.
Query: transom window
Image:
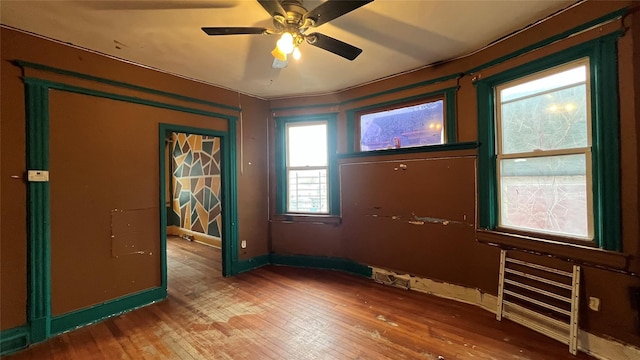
column 416, row 124
column 307, row 167
column 543, row 148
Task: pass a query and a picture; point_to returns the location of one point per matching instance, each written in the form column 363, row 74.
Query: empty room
column 319, row 179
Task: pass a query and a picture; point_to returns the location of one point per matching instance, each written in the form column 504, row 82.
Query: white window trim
column 289, row 168
column 586, row 151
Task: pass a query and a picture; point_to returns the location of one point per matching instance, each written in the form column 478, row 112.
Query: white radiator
column 541, row 298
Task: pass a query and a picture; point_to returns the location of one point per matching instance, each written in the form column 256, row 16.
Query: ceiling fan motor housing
column 290, row 17
column 293, row 21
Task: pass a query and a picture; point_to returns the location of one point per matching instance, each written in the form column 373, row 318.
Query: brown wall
column 13, row 203
column 253, row 185
column 104, row 188
column 104, row 164
column 381, row 206
column 448, row 253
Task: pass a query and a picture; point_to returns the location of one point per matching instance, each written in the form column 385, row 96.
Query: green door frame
column 228, row 174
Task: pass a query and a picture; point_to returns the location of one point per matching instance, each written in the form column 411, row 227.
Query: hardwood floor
column 292, row 313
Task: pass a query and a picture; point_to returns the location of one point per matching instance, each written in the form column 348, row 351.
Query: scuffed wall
column 386, row 213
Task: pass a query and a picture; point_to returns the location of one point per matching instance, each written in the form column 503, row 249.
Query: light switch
column 38, row 175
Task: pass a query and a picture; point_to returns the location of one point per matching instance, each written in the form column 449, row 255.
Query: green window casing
column 281, row 159
column 602, row 56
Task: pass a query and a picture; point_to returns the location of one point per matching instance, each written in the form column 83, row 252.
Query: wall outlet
column 243, row 244
column 594, row 303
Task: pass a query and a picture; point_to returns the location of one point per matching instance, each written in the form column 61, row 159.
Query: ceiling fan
column 291, row 20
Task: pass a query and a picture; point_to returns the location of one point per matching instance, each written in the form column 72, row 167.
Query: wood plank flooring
column 292, row 313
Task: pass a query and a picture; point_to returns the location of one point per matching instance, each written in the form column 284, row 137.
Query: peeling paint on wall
column 130, row 231
column 422, row 220
column 599, row 347
column 441, row 289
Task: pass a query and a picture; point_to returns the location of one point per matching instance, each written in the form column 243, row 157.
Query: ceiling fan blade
column 234, row 30
column 273, row 7
column 332, row 9
column 334, row 45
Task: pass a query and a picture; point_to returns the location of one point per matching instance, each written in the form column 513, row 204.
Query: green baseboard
column 241, row 266
column 106, row 310
column 12, row 340
column 321, row 262
column 305, row 261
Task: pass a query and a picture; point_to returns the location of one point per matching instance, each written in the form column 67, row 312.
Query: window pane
column 411, row 126
column 547, row 194
column 307, row 145
column 549, row 121
column 562, row 79
column 308, row 191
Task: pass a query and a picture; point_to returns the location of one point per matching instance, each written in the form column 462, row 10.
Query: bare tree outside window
column 408, row 126
column 544, row 152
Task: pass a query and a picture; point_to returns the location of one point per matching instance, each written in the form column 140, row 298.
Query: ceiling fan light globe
column 285, row 44
column 296, row 54
column 279, row 54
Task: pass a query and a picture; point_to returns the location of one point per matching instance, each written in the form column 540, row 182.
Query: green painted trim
column 190, row 130
column 606, row 145
column 306, row 118
column 334, row 176
column 27, row 64
column 39, row 284
column 380, row 93
column 602, row 53
column 407, row 87
column 106, row 310
column 312, row 106
column 15, row 339
column 162, row 176
column 487, row 188
column 241, row 266
column 451, row 129
column 129, row 99
column 552, row 39
column 351, row 131
column 412, row 150
column 229, row 200
column 320, row 262
column 281, row 156
column 281, row 169
column 449, row 95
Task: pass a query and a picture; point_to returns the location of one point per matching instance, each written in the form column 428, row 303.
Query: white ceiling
column 396, row 36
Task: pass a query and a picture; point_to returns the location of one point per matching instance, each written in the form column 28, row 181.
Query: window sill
column 308, row 218
column 412, row 150
column 586, row 255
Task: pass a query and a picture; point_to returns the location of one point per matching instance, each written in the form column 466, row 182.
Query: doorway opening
column 195, row 190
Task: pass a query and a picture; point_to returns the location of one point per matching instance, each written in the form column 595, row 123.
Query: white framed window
column 307, row 167
column 543, row 148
